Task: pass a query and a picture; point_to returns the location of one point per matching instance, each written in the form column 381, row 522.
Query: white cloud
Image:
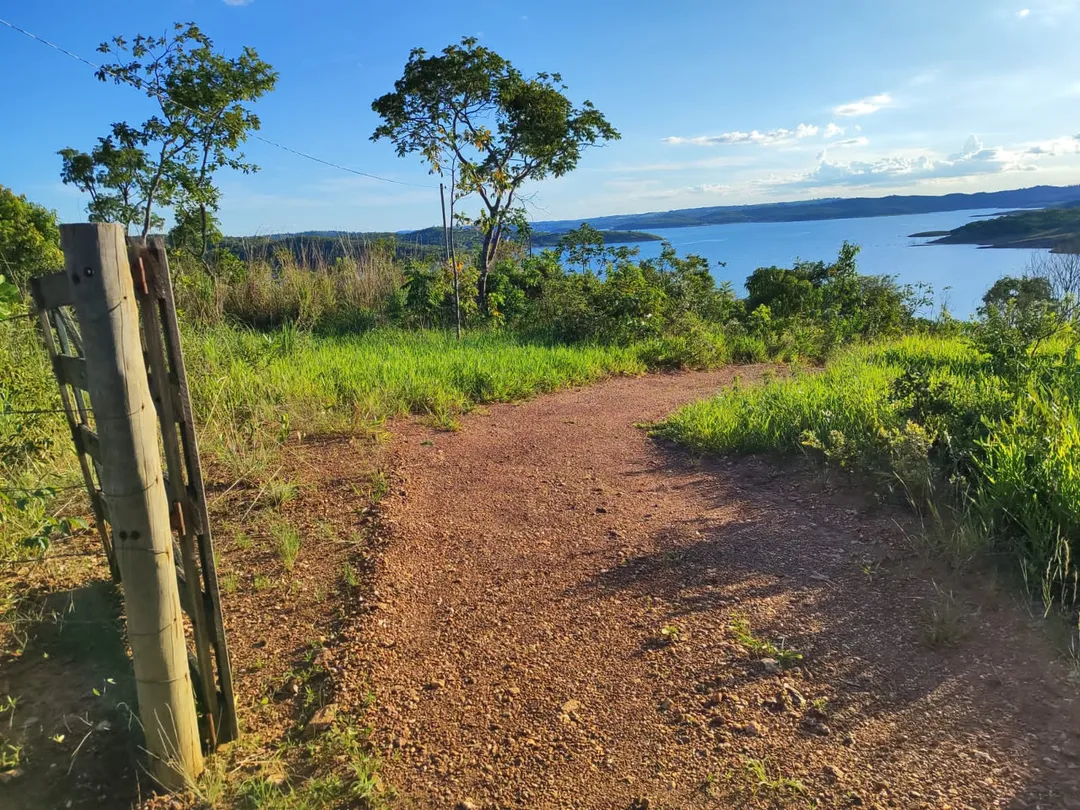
column 709, row 188
column 1047, row 12
column 862, row 140
column 973, row 159
column 832, row 130
column 647, row 190
column 863, row 106
column 1055, row 146
column 769, row 138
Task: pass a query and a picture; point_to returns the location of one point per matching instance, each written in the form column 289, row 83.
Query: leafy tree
column 469, row 109
column 171, row 158
column 689, row 286
column 1026, row 293
column 194, row 230
column 631, row 305
column 784, row 291
column 836, row 296
column 1017, row 316
column 582, row 246
column 114, row 174
column 29, row 238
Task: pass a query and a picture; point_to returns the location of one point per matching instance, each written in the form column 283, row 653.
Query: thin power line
column 141, row 85
column 338, row 166
column 52, row 45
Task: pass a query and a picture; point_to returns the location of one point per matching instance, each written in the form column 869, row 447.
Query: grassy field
column 849, row 398
column 991, row 456
column 251, row 391
column 379, row 374
column 36, row 460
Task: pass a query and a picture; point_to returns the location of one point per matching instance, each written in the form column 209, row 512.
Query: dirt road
column 555, row 631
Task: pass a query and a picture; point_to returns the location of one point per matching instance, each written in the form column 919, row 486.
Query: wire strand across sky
column 141, row 85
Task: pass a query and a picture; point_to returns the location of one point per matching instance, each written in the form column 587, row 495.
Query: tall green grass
column 929, row 418
column 35, row 453
column 271, row 291
column 330, row 382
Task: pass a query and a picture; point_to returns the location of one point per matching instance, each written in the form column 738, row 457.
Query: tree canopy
column 470, row 113
column 171, row 158
column 29, row 238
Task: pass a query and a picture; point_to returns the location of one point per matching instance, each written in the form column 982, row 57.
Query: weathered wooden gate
column 196, row 576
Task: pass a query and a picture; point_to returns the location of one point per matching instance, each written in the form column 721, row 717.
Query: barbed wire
column 31, row 411
column 140, row 84
column 48, row 557
column 65, row 488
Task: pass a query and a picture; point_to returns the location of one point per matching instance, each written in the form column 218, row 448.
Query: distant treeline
column 551, row 239
column 329, row 246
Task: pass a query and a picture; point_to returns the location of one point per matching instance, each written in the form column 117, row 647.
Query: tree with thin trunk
column 504, row 129
column 170, row 160
column 582, row 246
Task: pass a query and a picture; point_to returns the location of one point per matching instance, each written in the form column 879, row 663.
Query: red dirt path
column 519, row 657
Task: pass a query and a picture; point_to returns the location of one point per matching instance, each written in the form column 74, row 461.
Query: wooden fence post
column 96, row 263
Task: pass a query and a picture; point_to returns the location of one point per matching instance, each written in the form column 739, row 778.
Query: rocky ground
column 574, row 615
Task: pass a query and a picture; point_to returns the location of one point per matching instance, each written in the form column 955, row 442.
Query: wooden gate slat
column 174, row 484
column 52, row 291
column 73, row 423
column 87, row 442
column 159, row 285
column 70, row 371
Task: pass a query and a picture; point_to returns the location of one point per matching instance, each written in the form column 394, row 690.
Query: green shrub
column 936, row 422
column 689, row 344
column 1027, row 494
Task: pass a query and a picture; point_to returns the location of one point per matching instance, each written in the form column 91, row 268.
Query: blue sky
column 718, row 102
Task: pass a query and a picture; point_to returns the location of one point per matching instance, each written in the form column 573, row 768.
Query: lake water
column 966, row 270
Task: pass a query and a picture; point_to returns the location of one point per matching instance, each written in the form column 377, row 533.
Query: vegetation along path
column 575, row 615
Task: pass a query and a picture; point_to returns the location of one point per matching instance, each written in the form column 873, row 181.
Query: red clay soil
column 555, row 631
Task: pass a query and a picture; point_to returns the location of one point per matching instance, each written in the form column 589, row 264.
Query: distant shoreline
column 1037, row 197
column 1056, row 229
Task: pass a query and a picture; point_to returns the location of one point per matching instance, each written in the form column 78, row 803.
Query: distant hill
column 627, row 228
column 832, row 208
column 1055, row 228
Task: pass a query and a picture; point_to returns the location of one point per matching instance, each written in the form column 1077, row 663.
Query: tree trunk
column 481, row 283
